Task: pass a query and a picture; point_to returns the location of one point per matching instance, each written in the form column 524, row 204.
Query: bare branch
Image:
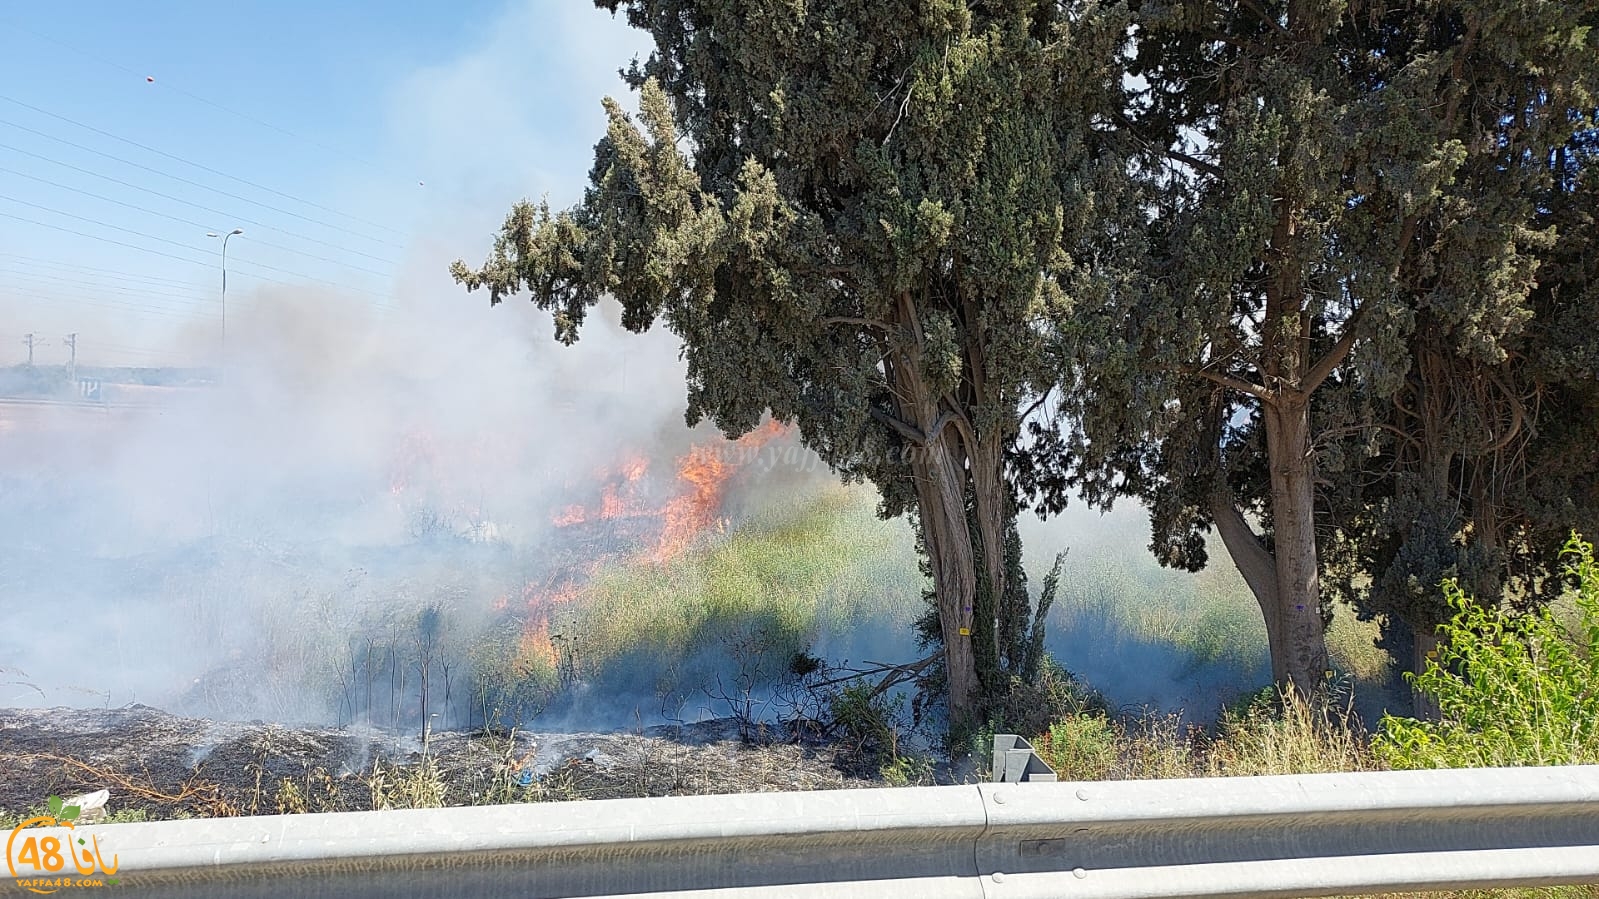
column 1037, row 403
column 908, row 431
column 1242, row 386
column 853, row 320
column 1265, row 17
column 1194, row 162
column 895, row 674
column 1332, row 433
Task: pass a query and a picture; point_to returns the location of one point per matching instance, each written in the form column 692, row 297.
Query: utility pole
column 235, row 232
column 72, row 358
column 31, row 341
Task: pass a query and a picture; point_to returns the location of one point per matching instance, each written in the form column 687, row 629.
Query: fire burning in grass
column 654, row 529
column 696, row 504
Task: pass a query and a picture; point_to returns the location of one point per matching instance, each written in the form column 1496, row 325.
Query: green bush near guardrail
column 1511, row 689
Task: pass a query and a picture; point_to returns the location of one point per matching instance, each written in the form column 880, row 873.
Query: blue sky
column 385, row 139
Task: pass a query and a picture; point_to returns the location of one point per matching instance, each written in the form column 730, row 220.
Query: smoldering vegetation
column 439, row 516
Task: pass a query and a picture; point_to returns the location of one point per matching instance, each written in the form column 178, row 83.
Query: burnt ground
column 166, row 766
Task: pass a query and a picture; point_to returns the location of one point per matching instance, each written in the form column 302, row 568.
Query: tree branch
column 943, row 419
column 1037, row 403
column 1254, row 390
column 1331, row 433
column 1335, row 356
column 1193, row 161
column 908, row 431
column 853, row 320
column 1265, row 17
column 895, row 673
column 1249, row 554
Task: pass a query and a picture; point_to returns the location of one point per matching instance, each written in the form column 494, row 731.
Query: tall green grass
column 1201, row 633
column 822, row 568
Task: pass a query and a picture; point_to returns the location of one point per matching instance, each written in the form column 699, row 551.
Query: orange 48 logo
column 47, row 854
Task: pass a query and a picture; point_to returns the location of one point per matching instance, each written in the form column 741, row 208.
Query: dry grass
column 1289, row 735
column 1283, row 734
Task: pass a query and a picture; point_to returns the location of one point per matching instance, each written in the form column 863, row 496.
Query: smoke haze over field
column 140, row 548
column 318, row 441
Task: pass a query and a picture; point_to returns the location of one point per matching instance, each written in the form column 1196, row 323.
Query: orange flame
column 702, row 476
column 535, row 645
column 687, row 515
column 569, row 516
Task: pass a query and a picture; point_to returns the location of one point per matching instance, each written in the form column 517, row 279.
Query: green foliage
column 1081, row 747
column 1353, row 272
column 907, row 771
column 9, row 820
column 872, row 727
column 789, row 577
column 61, row 812
column 861, row 220
column 1026, row 707
column 868, row 722
column 1511, row 689
column 1271, row 732
column 796, row 571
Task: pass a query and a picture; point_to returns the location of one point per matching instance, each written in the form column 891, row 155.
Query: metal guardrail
column 1268, row 836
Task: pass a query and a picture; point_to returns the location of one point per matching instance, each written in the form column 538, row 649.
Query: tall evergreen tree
column 1488, row 453
column 1334, row 197
column 861, row 217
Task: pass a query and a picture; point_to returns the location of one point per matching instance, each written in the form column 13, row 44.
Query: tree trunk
column 1256, row 565
column 941, row 503
column 990, row 509
column 1303, row 659
column 1423, row 645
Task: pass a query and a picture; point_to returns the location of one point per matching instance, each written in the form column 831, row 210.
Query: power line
column 131, row 276
column 146, row 236
column 129, row 162
column 203, row 168
column 51, row 295
column 160, row 357
column 196, row 97
column 385, row 307
column 183, row 221
column 108, row 240
column 141, row 290
column 191, row 203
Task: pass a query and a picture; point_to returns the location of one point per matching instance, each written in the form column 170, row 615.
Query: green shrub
column 868, row 723
column 1029, row 707
column 908, row 771
column 1510, row 689
column 1081, row 747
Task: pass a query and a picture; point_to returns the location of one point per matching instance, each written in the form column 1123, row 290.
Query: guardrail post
column 1015, row 761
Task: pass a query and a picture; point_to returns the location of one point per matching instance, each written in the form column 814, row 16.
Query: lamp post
column 225, row 285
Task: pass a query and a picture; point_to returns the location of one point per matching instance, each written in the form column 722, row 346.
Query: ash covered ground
column 169, row 766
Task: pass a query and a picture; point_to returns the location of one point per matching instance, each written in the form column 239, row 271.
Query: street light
column 225, row 284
